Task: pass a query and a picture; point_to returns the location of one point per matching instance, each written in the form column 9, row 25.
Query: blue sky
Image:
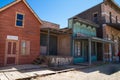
column 58, row 11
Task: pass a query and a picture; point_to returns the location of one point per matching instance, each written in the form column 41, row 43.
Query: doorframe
column 6, row 49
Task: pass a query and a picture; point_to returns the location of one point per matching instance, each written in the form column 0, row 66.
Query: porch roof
column 114, row 25
column 55, row 31
column 95, row 39
column 85, row 21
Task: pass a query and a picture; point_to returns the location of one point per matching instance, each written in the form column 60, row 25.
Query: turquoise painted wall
column 81, row 28
column 84, row 29
column 70, row 21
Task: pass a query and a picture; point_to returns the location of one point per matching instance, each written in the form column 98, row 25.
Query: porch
column 55, row 42
column 92, row 49
column 56, row 46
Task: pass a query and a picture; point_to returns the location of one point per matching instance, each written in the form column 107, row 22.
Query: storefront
column 86, row 46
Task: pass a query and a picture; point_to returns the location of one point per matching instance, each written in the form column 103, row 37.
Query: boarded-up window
column 25, row 47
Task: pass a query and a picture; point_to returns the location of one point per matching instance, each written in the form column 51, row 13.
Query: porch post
column 73, row 47
column 89, row 41
column 103, row 45
column 48, row 41
column 116, row 47
column 96, row 48
column 110, row 52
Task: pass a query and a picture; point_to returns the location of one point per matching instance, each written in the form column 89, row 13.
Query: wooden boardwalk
column 23, row 72
column 16, row 75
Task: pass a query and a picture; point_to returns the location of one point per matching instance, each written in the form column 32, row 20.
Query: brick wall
column 110, row 32
column 89, row 15
column 113, row 34
column 106, row 9
column 30, row 32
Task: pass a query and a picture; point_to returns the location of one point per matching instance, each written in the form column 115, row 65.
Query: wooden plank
column 15, row 75
column 38, row 72
column 3, row 77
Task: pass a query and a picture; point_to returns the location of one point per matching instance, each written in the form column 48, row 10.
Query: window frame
column 97, row 16
column 27, row 48
column 21, row 20
column 76, row 50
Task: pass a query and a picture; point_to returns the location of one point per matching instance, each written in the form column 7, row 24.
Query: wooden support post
column 113, row 50
column 73, row 48
column 103, row 45
column 96, row 48
column 89, row 41
column 110, row 52
column 48, row 42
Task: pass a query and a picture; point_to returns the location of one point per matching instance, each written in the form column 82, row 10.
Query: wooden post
column 89, row 41
column 48, row 42
column 73, row 42
column 110, row 52
column 73, row 49
column 103, row 45
column 96, row 48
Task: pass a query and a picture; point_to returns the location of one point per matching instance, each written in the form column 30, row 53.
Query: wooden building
column 55, row 43
column 85, row 41
column 19, row 34
column 107, row 16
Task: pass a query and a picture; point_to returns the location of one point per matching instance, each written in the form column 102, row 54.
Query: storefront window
column 78, row 49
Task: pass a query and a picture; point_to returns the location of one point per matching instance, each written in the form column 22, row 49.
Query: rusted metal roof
column 55, row 31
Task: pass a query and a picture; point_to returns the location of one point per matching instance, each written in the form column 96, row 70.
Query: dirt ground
column 104, row 72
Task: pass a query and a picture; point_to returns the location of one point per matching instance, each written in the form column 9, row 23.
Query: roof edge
column 17, row 1
column 86, row 22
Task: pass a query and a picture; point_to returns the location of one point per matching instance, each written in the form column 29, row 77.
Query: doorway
column 86, row 51
column 12, row 50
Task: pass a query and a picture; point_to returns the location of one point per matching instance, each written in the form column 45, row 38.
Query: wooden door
column 53, row 45
column 11, row 52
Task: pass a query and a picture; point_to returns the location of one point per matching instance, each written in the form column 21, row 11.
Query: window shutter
column 27, row 47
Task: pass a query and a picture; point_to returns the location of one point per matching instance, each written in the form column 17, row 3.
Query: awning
column 96, row 39
column 114, row 25
column 55, row 31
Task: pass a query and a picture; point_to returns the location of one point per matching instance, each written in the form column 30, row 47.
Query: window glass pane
column 23, row 47
column 23, row 44
column 19, row 23
column 78, row 49
column 19, row 17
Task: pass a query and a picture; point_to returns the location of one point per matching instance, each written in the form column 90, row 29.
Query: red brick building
column 19, row 34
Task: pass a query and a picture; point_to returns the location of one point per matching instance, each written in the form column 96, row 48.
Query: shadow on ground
column 108, row 69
